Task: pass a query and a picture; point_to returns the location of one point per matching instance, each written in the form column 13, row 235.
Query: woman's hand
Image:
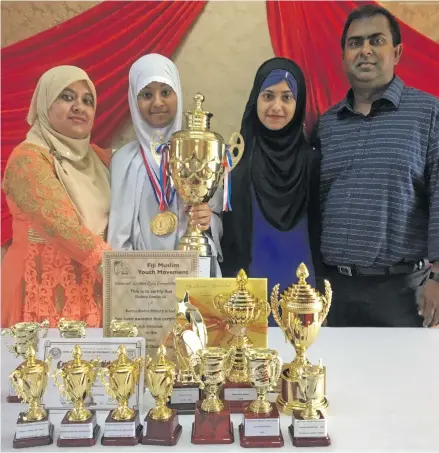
column 201, row 215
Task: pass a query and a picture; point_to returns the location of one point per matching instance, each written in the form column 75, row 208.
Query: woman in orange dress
column 58, row 191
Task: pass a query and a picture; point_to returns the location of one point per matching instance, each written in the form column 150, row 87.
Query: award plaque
column 139, row 287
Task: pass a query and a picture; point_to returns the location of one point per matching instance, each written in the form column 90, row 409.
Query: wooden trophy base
column 132, row 428
column 161, row 432
column 261, row 430
column 13, row 399
column 317, row 427
column 42, row 430
column 238, row 396
column 83, row 441
column 184, row 398
column 212, row 427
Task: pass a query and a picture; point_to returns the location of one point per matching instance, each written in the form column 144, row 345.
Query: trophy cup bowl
column 29, row 380
column 311, row 383
column 261, row 421
column 303, row 312
column 210, row 367
column 198, row 159
column 25, row 335
column 71, row 329
column 162, row 425
column 264, row 369
column 78, row 377
column 240, row 309
column 123, row 376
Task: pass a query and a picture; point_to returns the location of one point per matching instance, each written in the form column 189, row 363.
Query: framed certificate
column 60, row 349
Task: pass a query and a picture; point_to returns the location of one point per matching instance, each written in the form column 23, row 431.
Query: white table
column 382, row 385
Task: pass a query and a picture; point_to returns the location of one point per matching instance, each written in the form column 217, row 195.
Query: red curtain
column 104, row 41
column 309, row 33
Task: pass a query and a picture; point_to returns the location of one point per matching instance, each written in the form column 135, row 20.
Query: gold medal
column 164, row 223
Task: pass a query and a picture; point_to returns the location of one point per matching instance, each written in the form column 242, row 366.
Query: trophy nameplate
column 60, row 349
column 139, row 287
column 78, row 434
column 33, row 434
column 309, row 433
column 122, row 432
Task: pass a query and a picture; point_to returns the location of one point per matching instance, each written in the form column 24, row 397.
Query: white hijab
column 128, row 173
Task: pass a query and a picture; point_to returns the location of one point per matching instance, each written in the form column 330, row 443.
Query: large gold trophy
column 25, row 334
column 30, row 381
column 240, row 309
column 77, row 377
column 122, row 427
column 303, row 311
column 198, row 159
column 161, row 423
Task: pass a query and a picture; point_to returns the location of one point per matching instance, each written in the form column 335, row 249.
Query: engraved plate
column 240, row 394
column 207, row 266
column 262, row 427
column 185, row 395
column 77, row 430
column 121, row 429
column 310, row 428
column 32, row 429
column 106, row 350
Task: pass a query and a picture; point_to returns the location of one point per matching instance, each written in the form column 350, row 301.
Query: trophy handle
column 61, row 387
column 326, row 301
column 274, row 299
column 177, row 330
column 218, row 302
column 236, row 142
column 194, row 361
column 48, row 362
column 103, row 374
column 44, row 325
column 263, row 311
column 17, row 383
column 230, row 360
column 276, row 365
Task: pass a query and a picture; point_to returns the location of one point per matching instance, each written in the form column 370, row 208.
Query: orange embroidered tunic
column 50, row 269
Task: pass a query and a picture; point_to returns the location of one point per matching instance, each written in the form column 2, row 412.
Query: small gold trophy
column 303, row 311
column 78, row 427
column 161, row 424
column 261, row 425
column 25, row 334
column 189, row 335
column 123, row 329
column 30, row 381
column 212, row 423
column 198, row 161
column 122, row 425
column 241, row 308
column 71, row 329
column 311, row 419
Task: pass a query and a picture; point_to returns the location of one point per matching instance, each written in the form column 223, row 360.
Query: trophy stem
column 310, row 412
column 35, row 412
column 212, row 403
column 195, row 240
column 239, row 372
column 79, row 413
column 261, row 405
column 161, row 411
column 299, row 362
column 123, row 412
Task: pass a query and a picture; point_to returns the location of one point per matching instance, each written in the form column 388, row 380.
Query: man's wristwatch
column 434, row 276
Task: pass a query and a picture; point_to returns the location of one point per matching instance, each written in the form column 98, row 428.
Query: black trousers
column 375, row 301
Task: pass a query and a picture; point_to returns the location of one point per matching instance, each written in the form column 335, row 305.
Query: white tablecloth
column 382, row 387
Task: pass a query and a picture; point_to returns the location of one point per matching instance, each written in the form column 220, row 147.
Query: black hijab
column 276, row 164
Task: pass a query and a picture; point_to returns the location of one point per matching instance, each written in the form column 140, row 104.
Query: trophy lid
column 162, row 364
column 301, row 295
column 198, row 119
column 241, row 296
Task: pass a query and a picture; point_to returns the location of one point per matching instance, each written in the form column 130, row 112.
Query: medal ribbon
column 163, row 191
column 227, row 164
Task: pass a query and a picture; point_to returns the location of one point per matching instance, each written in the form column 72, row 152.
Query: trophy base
column 238, row 395
column 261, row 430
column 212, row 427
column 128, row 431
column 309, row 433
column 13, row 399
column 86, row 432
column 161, row 432
column 33, row 434
column 184, row 397
column 308, row 441
column 289, row 397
